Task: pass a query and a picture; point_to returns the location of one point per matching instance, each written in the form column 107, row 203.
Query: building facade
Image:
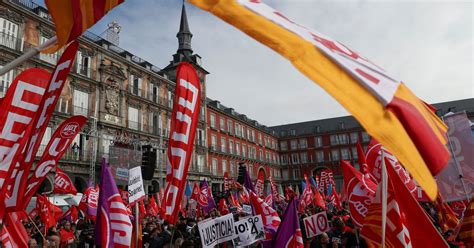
column 233, row 138
column 308, row 147
column 128, row 100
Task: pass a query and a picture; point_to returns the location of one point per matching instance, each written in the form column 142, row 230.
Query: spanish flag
column 74, row 17
column 384, row 106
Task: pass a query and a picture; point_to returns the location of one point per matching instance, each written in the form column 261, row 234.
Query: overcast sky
column 427, row 44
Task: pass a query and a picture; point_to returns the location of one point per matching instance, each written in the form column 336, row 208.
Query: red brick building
column 234, row 138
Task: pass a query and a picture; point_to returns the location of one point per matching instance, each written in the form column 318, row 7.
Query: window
column 296, row 173
column 260, row 138
column 343, row 138
column 248, row 134
column 303, row 143
column 132, row 118
column 335, row 155
column 334, row 140
column 237, row 148
column 5, row 81
column 154, row 94
column 284, row 159
column 294, row 158
column 253, row 136
column 354, row 153
column 222, row 124
column 49, row 58
column 238, row 130
column 294, row 144
column 318, row 141
column 201, row 138
column 285, row 175
column 230, row 126
column 232, row 168
column 304, row 157
column 200, row 163
column 345, row 154
column 214, row 166
column 213, row 120
column 283, row 145
column 244, row 150
column 293, row 132
column 9, row 33
column 319, row 156
column 170, row 99
column 83, row 64
column 224, row 166
column 223, row 145
column 81, row 103
column 354, row 137
column 213, row 142
column 260, row 155
column 365, row 137
column 135, row 85
column 231, row 146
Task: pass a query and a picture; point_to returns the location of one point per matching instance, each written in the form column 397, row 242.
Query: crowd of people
column 185, row 234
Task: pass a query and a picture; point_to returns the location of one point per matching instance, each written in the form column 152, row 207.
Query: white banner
column 249, row 231
column 216, row 231
column 135, row 185
column 316, row 224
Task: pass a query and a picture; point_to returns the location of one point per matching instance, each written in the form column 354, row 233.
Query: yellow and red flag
column 466, row 232
column 74, row 17
column 384, row 106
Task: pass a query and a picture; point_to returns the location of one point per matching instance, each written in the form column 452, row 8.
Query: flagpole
column 39, row 231
column 384, row 197
column 137, row 223
column 458, row 168
column 26, row 56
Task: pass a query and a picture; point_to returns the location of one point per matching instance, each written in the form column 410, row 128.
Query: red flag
column 446, row 217
column 152, row 208
column 19, row 109
column 407, row 225
column 260, row 183
column 72, row 214
column 226, row 181
column 89, row 201
column 360, row 192
column 196, row 192
column 63, row 184
column 13, row 232
column 466, row 231
column 141, row 209
column 223, row 208
column 319, row 200
column 361, row 157
column 307, row 196
column 270, row 218
column 73, row 17
column 59, row 143
column 39, row 124
column 184, row 120
column 46, row 211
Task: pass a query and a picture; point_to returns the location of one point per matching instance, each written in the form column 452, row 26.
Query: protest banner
column 249, row 231
column 135, row 185
column 316, row 224
column 216, row 231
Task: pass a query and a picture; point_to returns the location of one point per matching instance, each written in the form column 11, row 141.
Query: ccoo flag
column 289, row 233
column 74, row 17
column 113, row 227
column 384, row 106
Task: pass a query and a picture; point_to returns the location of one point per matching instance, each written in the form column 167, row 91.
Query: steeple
column 184, row 35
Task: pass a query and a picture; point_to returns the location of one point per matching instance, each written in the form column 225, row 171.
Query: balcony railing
column 11, row 41
column 133, row 125
column 77, row 110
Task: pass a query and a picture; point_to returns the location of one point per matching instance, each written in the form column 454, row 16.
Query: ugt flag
column 113, row 227
column 385, row 107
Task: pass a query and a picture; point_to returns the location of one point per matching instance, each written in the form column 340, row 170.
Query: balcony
column 79, row 154
column 77, row 110
column 10, row 41
column 133, row 125
column 84, row 71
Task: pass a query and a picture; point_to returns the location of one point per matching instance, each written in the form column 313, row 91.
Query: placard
column 316, row 224
column 216, row 231
column 246, row 209
column 249, row 231
column 135, row 185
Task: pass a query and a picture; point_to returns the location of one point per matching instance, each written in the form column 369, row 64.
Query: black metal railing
column 10, row 41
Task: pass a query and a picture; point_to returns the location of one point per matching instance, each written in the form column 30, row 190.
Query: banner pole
column 24, row 57
column 137, row 223
column 458, row 168
column 39, row 231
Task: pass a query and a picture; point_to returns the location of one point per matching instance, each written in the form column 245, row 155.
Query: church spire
column 184, row 35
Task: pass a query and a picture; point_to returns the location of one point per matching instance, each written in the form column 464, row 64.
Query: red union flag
column 57, row 146
column 184, row 119
column 39, row 123
column 260, row 184
column 360, row 192
column 19, row 108
column 63, row 184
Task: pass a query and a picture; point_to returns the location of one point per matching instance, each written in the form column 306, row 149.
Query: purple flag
column 206, row 201
column 289, row 233
column 248, row 181
column 113, row 227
